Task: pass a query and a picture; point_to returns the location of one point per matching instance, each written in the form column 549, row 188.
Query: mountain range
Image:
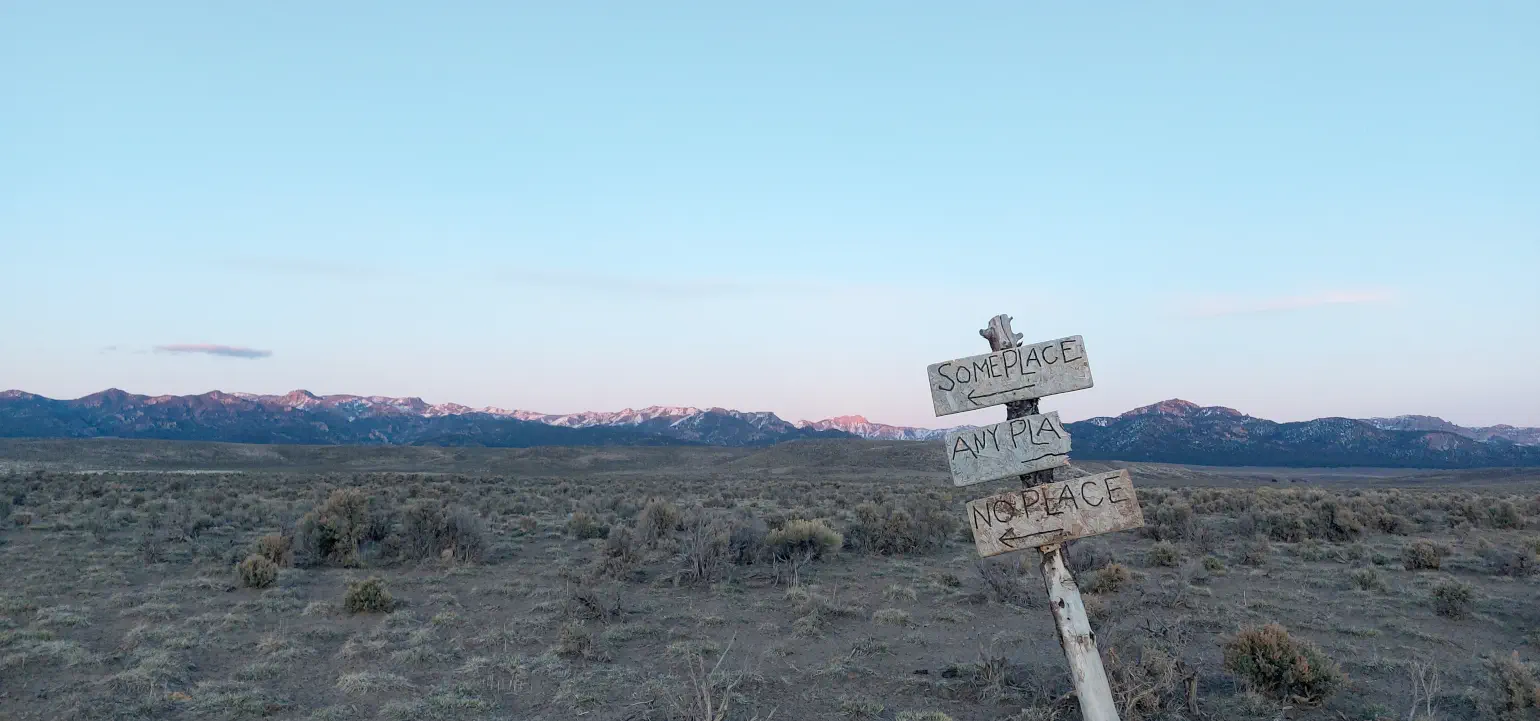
column 1173, row 431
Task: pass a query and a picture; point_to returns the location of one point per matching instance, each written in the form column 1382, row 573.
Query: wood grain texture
column 1003, row 450
column 1010, row 374
column 1054, row 512
column 1076, row 638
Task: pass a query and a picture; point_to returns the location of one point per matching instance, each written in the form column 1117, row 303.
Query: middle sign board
column 1007, row 449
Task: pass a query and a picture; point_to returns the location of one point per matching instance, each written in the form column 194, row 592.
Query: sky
column 1295, row 209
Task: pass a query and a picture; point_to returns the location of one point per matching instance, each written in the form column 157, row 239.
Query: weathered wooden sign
column 1009, row 374
column 1054, row 512
column 1045, row 512
column 1003, row 450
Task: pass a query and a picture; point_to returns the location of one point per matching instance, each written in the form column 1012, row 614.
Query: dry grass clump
column 1368, row 579
column 257, row 571
column 1269, row 661
column 860, row 708
column 1109, row 579
column 1005, row 578
column 367, row 596
column 1453, row 599
column 818, row 610
column 1150, row 682
column 1423, row 555
column 891, row 616
column 1087, row 554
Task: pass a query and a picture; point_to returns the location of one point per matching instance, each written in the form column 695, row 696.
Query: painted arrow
column 1010, row 535
column 973, row 396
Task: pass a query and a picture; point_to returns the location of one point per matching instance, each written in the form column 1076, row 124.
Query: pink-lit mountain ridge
column 1173, row 431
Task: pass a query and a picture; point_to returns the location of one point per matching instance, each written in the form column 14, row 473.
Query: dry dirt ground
column 651, row 583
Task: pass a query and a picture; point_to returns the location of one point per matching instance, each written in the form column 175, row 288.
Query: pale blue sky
column 1297, row 209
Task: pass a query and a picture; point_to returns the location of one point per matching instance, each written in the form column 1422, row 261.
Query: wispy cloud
column 226, row 351
column 1236, row 305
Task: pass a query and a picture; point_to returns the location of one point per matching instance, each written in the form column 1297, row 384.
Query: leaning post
column 1069, row 617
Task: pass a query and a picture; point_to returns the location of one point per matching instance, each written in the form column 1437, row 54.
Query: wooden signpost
column 1045, row 512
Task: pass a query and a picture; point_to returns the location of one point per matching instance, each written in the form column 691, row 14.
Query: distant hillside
column 1177, row 431
column 1173, row 431
column 1513, row 434
column 300, row 417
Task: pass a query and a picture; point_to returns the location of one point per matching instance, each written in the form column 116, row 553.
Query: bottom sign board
column 1054, row 512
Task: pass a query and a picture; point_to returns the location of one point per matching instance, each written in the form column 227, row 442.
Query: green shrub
column 1269, row 661
column 885, row 529
column 1393, row 524
column 257, row 571
column 746, row 536
column 1514, row 693
column 1504, row 514
column 418, row 536
column 1254, row 552
column 367, row 596
column 658, row 519
column 1422, row 555
column 802, row 539
column 333, row 532
column 1212, row 564
column 1165, row 554
column 1332, row 521
column 1171, row 520
column 1453, row 599
column 1109, row 579
column 582, row 524
column 276, row 547
column 1505, row 561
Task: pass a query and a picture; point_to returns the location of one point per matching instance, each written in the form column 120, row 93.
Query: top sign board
column 1013, row 374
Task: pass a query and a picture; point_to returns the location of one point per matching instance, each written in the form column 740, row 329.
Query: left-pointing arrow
column 1009, row 536
column 974, row 396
